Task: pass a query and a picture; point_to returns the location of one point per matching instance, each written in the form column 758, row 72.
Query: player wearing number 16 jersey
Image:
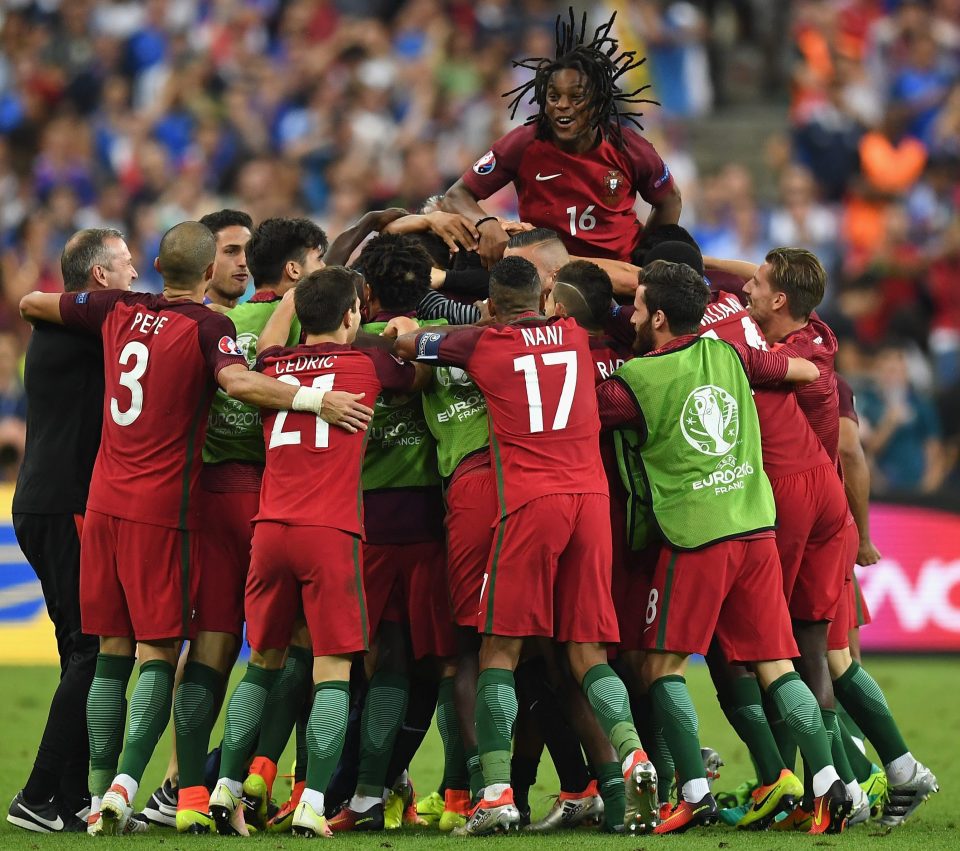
column 549, row 571
column 576, row 170
column 306, row 553
column 163, row 357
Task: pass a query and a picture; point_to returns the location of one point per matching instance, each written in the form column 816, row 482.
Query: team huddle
column 509, row 473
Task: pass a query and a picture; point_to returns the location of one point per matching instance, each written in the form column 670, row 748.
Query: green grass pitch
column 924, row 694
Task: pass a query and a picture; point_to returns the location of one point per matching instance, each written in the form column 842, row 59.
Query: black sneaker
column 347, row 819
column 161, row 809
column 40, row 818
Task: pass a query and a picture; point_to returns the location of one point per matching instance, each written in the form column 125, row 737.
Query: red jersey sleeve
column 764, row 369
column 617, row 406
column 651, row 176
column 271, row 352
column 499, row 166
column 218, row 344
column 87, row 311
column 392, row 373
column 448, row 349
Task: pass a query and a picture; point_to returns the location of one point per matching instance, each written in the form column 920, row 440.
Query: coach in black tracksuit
column 63, row 377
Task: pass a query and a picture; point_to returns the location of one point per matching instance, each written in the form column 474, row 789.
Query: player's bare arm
column 335, row 407
column 856, row 482
column 623, row 275
column 277, row 330
column 741, row 268
column 41, row 307
column 493, row 238
column 454, row 229
column 347, row 242
column 666, row 211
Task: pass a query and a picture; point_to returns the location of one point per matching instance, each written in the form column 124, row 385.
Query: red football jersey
column 846, row 400
column 818, row 400
column 789, row 443
column 608, row 356
column 161, row 359
column 537, row 376
column 312, row 472
column 588, row 199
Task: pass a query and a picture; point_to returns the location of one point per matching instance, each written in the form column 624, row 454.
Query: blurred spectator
column 901, row 427
column 13, row 408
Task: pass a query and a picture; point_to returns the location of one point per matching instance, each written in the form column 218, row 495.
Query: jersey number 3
column 130, row 378
column 527, row 364
column 279, row 437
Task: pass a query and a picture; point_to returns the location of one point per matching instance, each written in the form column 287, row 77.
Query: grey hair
column 84, row 250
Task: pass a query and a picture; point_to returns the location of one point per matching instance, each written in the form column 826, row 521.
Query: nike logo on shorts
column 542, row 177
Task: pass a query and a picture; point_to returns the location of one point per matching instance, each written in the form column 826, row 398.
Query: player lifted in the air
column 576, row 169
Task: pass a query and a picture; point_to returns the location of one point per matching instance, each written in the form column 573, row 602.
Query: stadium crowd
column 593, row 442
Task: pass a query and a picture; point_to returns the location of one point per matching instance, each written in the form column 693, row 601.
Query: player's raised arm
column 277, row 330
column 41, row 307
column 347, row 242
column 740, row 268
column 493, row 238
column 766, row 369
column 455, row 229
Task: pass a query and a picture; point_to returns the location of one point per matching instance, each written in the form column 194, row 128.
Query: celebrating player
column 576, row 169
column 549, row 571
column 230, row 275
column 162, row 355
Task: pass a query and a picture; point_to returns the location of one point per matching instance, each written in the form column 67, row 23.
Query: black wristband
column 479, row 222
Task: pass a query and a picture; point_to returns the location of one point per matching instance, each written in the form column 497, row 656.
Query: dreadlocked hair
column 601, row 63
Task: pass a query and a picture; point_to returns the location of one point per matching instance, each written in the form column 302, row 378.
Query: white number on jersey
column 584, row 222
column 279, row 437
column 527, row 364
column 751, row 334
column 130, row 379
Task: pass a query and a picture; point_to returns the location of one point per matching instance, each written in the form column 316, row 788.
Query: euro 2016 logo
column 710, row 420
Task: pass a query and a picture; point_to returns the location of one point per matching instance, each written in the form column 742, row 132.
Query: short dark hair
column 515, row 284
column 323, row 297
column 798, row 274
column 225, row 219
column 593, row 284
column 186, row 250
column 84, row 250
column 678, row 291
column 436, row 248
column 675, row 251
column 276, row 242
column 652, row 237
column 526, row 238
column 397, row 270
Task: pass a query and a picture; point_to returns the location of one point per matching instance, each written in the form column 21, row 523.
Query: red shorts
column 313, row 569
column 852, row 611
column 732, row 590
column 631, row 578
column 471, row 512
column 549, row 571
column 811, row 526
column 406, row 583
column 136, row 579
column 226, row 530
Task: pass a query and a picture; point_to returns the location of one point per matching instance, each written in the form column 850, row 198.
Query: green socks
column 149, row 715
column 454, row 759
column 845, row 720
column 325, row 731
column 745, row 713
column 475, row 772
column 608, row 698
column 800, row 712
column 677, row 719
column 284, row 703
column 610, row 784
column 194, row 713
column 244, row 712
column 837, row 750
column 383, row 713
column 106, row 707
column 864, row 700
column 496, row 711
column 861, row 765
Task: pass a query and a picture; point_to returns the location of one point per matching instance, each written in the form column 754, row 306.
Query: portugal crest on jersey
column 614, row 183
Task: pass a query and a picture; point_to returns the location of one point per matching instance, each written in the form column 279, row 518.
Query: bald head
column 187, row 252
column 544, row 249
